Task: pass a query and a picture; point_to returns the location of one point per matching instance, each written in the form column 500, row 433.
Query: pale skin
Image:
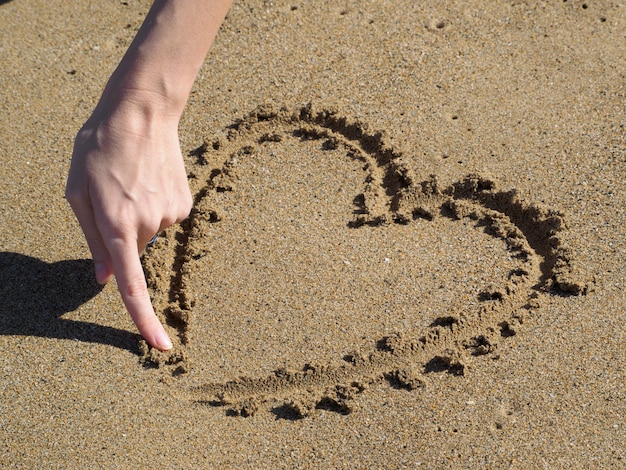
column 127, row 179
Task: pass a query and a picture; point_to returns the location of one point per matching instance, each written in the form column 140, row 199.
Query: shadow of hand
column 34, row 295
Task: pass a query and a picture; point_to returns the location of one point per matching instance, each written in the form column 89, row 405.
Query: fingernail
column 163, row 342
column 101, row 273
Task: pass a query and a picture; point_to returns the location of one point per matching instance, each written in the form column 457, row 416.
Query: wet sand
column 406, row 249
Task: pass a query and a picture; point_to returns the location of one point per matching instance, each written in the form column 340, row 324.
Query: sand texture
column 406, row 248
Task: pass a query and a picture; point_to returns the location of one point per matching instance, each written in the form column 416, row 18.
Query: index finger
column 131, row 283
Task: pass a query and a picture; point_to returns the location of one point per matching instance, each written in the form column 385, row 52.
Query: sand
column 406, row 249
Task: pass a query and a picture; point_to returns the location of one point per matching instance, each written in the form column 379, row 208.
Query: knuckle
column 187, row 202
column 123, row 227
column 136, row 288
column 185, row 208
column 167, row 220
column 181, row 216
column 72, row 195
column 152, row 227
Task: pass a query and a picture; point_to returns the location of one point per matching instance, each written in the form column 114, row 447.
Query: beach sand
column 406, row 249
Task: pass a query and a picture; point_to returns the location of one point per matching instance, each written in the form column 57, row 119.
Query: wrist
column 151, row 99
column 132, row 113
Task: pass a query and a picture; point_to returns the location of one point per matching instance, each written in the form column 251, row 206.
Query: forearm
column 157, row 72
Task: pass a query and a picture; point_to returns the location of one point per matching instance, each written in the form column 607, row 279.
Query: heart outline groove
column 533, row 237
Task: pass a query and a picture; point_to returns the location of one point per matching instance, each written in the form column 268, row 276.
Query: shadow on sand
column 34, row 295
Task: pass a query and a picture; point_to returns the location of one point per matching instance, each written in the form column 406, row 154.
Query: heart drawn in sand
column 311, row 234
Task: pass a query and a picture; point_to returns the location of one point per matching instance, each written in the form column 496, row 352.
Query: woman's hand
column 127, row 180
column 126, row 183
